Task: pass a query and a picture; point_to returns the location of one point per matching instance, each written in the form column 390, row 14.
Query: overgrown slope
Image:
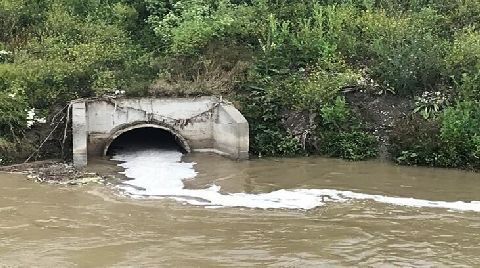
column 291, row 66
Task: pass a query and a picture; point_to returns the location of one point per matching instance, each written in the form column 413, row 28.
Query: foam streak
column 159, row 173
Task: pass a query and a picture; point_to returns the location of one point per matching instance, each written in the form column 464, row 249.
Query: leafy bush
column 404, row 52
column 458, row 14
column 273, row 142
column 307, row 91
column 19, row 19
column 76, row 57
column 305, row 42
column 463, row 63
column 13, row 115
column 460, row 129
column 185, row 27
column 337, row 133
column 429, row 104
column 7, row 148
column 11, row 151
column 450, row 141
column 352, row 145
column 267, row 137
column 416, row 141
column 340, row 135
column 335, row 115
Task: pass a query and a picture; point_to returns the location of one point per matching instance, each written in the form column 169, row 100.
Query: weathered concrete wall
column 80, row 132
column 202, row 124
column 230, row 132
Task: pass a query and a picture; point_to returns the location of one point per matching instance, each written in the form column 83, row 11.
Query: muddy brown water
column 94, row 226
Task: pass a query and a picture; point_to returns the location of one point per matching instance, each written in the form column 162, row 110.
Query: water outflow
column 159, row 173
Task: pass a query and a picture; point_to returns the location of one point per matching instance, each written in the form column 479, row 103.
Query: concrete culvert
column 144, row 138
column 203, row 124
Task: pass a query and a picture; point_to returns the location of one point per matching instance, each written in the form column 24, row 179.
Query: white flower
column 30, row 113
column 30, row 116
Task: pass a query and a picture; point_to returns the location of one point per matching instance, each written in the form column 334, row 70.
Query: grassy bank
column 350, row 79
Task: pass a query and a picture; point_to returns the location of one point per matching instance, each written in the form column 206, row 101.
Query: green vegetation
column 450, row 141
column 340, row 133
column 273, row 58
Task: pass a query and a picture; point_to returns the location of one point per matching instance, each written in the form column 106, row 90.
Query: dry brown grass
column 214, row 73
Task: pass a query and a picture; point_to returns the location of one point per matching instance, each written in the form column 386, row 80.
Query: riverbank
column 348, row 80
column 59, row 172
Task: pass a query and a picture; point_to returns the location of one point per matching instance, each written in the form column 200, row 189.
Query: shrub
column 449, row 141
column 351, row 145
column 463, row 63
column 185, row 27
column 459, row 13
column 273, row 142
column 339, row 133
column 11, row 151
column 416, row 141
column 335, row 115
column 76, row 56
column 267, row 136
column 19, row 19
column 429, row 104
column 404, row 52
column 7, row 148
column 303, row 42
column 460, row 128
column 13, row 115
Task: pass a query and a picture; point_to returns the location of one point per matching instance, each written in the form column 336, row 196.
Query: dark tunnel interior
column 145, row 138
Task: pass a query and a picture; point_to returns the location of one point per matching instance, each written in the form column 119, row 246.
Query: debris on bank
column 55, row 172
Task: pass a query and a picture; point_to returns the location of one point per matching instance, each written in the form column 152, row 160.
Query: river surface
column 207, row 211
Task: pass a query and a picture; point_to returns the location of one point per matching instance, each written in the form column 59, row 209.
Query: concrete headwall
column 80, row 133
column 201, row 124
column 230, row 132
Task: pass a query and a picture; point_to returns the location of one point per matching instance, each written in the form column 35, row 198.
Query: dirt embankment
column 377, row 112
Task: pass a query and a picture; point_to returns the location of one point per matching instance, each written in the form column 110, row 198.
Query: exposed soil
column 377, row 112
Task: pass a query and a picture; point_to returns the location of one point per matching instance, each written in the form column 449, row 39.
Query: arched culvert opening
column 145, row 137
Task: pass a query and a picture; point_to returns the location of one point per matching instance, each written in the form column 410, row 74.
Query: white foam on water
column 159, row 173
